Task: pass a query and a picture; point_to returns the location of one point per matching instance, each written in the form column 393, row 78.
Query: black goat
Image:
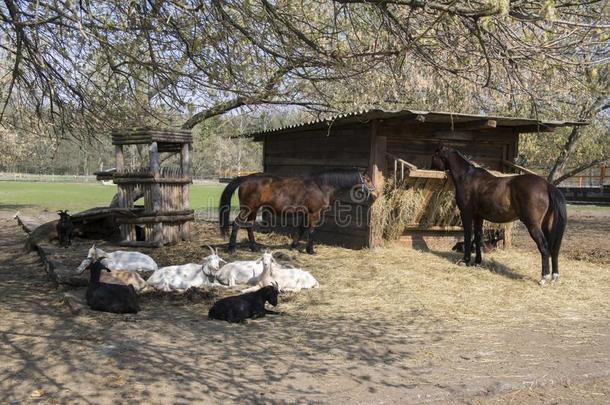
column 119, row 299
column 489, row 244
column 240, row 307
column 65, row 227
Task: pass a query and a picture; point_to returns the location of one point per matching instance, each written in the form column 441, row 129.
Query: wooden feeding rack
column 165, row 216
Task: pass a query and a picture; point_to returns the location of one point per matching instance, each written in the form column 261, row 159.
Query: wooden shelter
column 165, row 215
column 393, row 146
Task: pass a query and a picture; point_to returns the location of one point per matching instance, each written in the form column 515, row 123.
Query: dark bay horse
column 305, row 197
column 482, row 196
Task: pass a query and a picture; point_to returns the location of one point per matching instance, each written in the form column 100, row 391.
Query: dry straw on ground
column 394, row 282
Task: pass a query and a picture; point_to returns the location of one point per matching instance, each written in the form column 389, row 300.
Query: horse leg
column 478, row 239
column 299, row 233
column 233, row 239
column 313, row 221
column 251, row 221
column 241, row 218
column 538, row 236
column 555, row 266
column 554, row 250
column 467, row 223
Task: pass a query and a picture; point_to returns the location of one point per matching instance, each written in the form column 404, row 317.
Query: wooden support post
column 377, row 167
column 156, row 191
column 395, row 171
column 120, row 159
column 377, row 160
column 185, row 157
column 186, row 172
column 153, row 153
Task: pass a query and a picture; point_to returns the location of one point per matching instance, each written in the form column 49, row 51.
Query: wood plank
column 427, row 174
column 298, row 161
column 477, row 124
column 136, row 180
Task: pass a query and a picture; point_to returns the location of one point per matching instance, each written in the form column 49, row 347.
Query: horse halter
column 363, row 186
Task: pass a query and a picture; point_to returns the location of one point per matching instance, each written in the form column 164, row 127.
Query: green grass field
column 79, row 196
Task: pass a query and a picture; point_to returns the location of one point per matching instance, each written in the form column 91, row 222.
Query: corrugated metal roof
column 435, row 117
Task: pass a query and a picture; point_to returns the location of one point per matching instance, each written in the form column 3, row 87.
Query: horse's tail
column 557, row 204
column 225, row 203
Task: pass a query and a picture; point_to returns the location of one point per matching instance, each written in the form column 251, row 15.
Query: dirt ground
column 586, row 236
column 389, row 325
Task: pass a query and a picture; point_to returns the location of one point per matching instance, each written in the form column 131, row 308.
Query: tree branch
column 579, row 169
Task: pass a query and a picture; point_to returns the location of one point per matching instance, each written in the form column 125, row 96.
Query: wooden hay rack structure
column 431, row 202
column 165, row 215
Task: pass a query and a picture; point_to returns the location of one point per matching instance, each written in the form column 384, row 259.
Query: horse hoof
column 544, row 280
column 311, row 252
column 231, row 250
column 293, row 246
column 555, row 278
column 462, row 262
column 255, row 248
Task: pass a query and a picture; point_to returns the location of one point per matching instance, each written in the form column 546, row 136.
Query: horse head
column 368, row 186
column 439, row 158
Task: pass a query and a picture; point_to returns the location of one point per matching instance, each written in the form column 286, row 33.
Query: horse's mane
column 338, row 178
column 476, row 165
column 467, row 158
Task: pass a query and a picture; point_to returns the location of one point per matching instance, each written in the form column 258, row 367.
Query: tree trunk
column 567, row 151
column 569, row 147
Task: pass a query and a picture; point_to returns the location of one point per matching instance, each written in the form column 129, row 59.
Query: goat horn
column 211, row 248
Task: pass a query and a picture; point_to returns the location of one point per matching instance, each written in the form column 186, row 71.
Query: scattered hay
column 367, row 283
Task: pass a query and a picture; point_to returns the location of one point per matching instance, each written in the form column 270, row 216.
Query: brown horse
column 483, row 196
column 304, row 197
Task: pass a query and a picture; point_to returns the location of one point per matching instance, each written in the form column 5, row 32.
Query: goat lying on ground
column 489, row 244
column 125, row 278
column 240, row 272
column 240, row 307
column 119, row 299
column 119, row 260
column 64, row 227
column 287, row 279
column 181, row 278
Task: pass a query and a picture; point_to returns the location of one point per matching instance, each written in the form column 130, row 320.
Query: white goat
column 240, row 272
column 120, row 260
column 181, row 278
column 286, row 278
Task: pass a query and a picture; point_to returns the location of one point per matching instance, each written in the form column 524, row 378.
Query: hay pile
column 417, row 203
